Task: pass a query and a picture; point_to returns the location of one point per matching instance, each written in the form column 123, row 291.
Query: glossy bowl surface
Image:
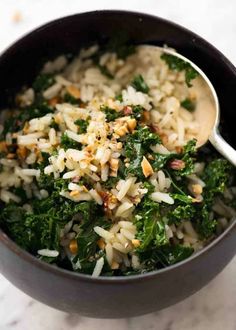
column 124, row 296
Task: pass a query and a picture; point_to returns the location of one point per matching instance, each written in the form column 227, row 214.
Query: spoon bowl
column 207, row 111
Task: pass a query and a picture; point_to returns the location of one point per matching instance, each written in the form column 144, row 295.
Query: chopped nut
column 146, row 115
column 21, row 152
column 178, row 150
column 52, row 102
column 119, row 146
column 150, row 157
column 197, row 189
column 11, row 156
column 196, row 200
column 146, row 167
column 127, row 110
column 58, row 118
column 114, row 165
column 177, row 164
column 132, row 123
column 74, row 193
column 122, row 130
column 3, row 146
column 26, row 128
column 114, row 265
column 73, row 246
column 73, row 91
column 101, row 244
column 136, row 242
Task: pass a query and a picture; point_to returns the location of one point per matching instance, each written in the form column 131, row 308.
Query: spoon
column 207, row 111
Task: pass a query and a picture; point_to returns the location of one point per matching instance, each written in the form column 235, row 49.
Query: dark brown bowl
column 124, row 296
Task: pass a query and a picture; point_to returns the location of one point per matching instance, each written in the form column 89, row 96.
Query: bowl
column 110, row 297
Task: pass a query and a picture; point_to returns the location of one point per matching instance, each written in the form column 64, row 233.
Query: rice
column 98, row 267
column 48, row 253
column 96, row 151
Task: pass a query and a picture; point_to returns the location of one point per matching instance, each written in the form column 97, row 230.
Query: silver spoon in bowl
column 207, row 111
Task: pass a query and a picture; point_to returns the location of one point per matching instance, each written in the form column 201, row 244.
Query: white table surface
column 215, row 305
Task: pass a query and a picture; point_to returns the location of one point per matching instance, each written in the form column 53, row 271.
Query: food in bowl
column 99, row 168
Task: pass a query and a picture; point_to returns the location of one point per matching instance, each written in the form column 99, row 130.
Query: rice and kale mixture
column 99, row 170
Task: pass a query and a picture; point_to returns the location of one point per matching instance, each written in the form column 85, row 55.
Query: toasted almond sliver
column 136, row 242
column 73, row 246
column 146, row 167
column 73, row 91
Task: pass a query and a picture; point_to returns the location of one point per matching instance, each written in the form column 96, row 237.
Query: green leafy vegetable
column 150, row 227
column 67, row 143
column 111, row 114
column 104, row 70
column 16, row 122
column 68, row 98
column 42, row 82
column 178, row 64
column 83, row 124
column 136, row 146
column 121, row 45
column 139, row 84
column 188, row 105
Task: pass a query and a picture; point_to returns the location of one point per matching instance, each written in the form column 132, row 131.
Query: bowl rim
column 72, row 275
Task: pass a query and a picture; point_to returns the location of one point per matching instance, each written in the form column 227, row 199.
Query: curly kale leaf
column 186, row 156
column 42, row 82
column 139, row 84
column 216, row 176
column 30, row 231
column 181, row 213
column 188, row 104
column 111, row 114
column 83, row 124
column 177, row 64
column 136, row 146
column 68, row 143
column 150, row 226
column 17, row 121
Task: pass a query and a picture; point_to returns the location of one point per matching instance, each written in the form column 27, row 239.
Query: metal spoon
column 207, row 112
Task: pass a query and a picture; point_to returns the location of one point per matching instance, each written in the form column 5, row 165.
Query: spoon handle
column 222, row 146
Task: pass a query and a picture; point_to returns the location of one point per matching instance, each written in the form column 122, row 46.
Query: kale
column 121, row 45
column 111, row 182
column 92, row 215
column 186, row 156
column 119, row 98
column 170, row 254
column 160, row 160
column 111, row 114
column 83, row 124
column 42, row 82
column 68, row 98
column 180, row 213
column 188, row 105
column 67, row 143
column 150, row 226
column 205, row 225
column 137, row 111
column 118, row 44
column 145, row 137
column 136, row 146
column 30, row 231
column 216, row 176
column 54, row 125
column 139, row 84
column 177, row 64
column 104, row 70
column 17, row 121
